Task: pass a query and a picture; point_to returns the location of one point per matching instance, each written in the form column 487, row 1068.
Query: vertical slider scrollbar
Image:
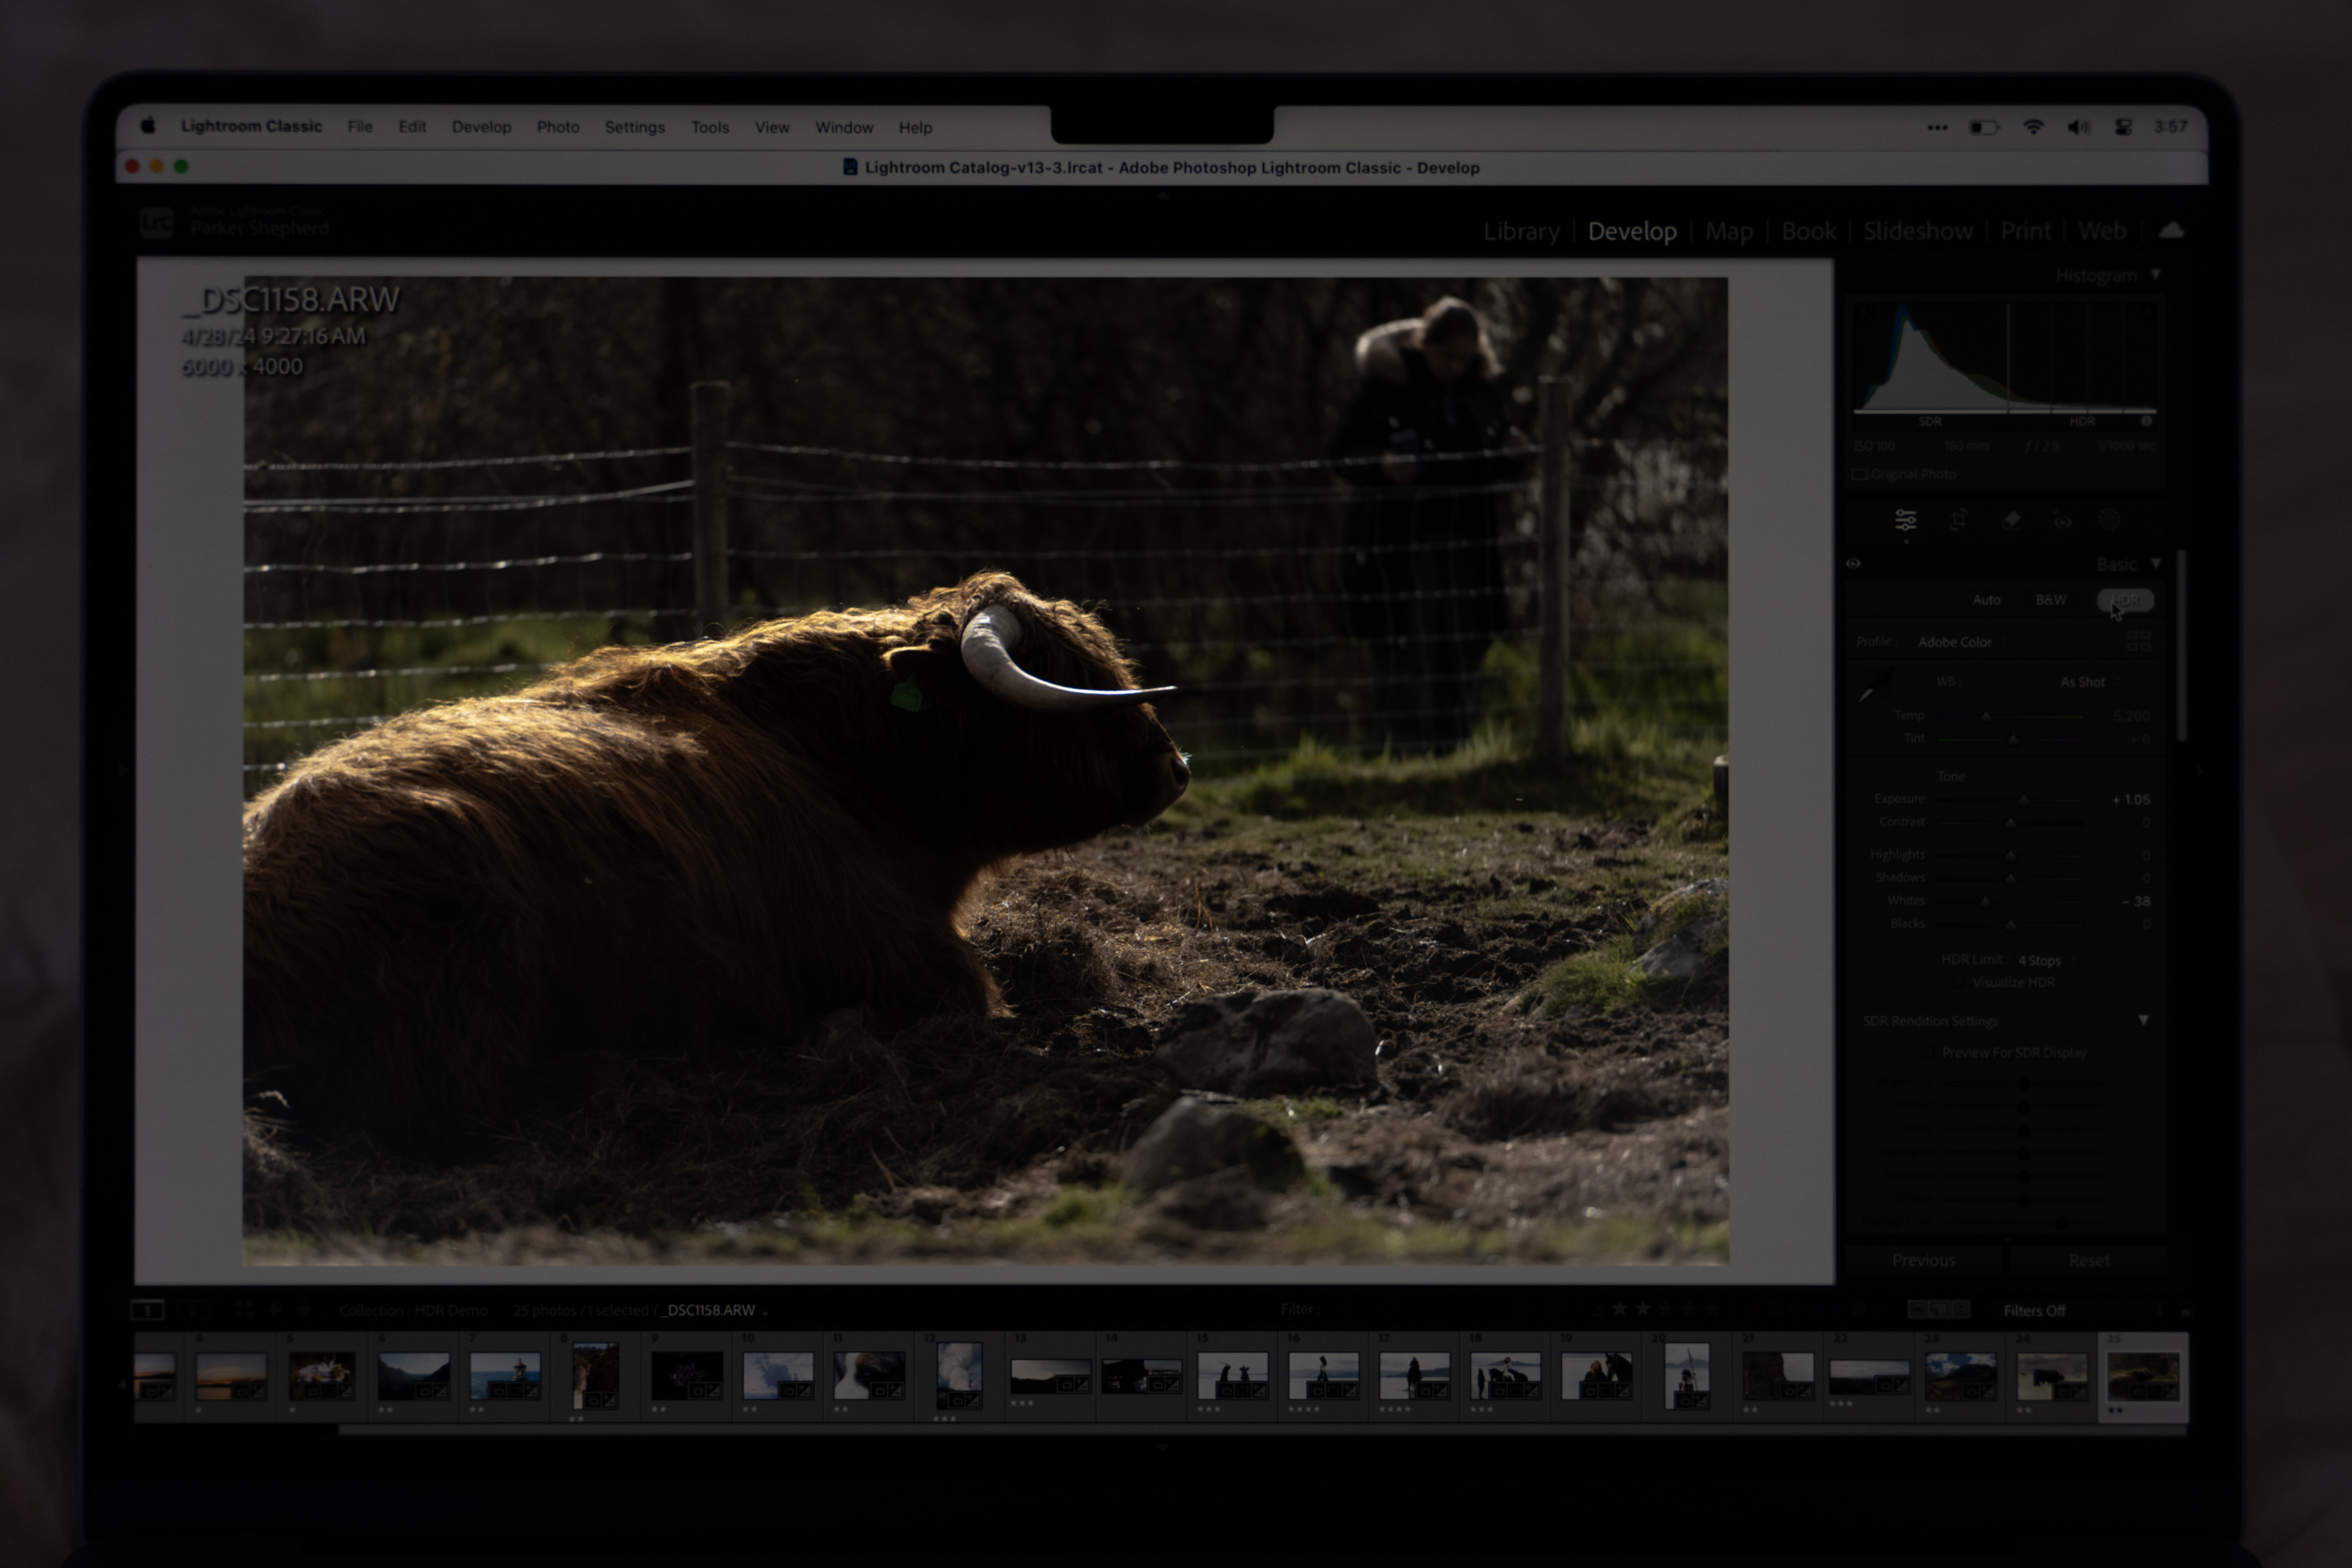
column 2180, row 643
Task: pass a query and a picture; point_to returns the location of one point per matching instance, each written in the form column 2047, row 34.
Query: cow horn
column 989, row 638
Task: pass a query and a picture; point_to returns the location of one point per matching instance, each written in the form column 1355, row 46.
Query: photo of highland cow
column 2139, row 1376
column 2054, row 1376
column 1253, row 748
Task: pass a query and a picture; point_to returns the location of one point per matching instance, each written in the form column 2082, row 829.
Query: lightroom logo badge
column 154, row 222
column 849, row 165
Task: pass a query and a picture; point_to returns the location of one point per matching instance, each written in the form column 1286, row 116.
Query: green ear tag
column 907, row 695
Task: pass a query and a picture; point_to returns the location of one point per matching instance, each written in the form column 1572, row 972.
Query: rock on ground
column 1192, row 1139
column 1251, row 1043
column 1709, row 887
column 1683, row 955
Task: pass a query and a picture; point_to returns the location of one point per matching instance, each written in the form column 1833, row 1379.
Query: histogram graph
column 1965, row 356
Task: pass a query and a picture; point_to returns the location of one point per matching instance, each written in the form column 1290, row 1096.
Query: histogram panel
column 1997, row 356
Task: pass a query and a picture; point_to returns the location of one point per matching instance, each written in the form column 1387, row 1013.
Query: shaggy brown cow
column 653, row 847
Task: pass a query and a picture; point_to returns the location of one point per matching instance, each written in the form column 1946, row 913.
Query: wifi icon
column 2034, row 128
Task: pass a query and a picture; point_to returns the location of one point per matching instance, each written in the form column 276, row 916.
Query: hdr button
column 2117, row 602
column 2089, row 1262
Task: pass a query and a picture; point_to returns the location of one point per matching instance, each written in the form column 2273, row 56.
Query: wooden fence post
column 1555, row 548
column 710, row 602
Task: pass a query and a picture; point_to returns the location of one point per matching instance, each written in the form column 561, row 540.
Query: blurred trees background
column 1154, row 445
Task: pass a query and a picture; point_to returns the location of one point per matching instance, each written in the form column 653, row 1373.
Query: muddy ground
column 1501, row 1126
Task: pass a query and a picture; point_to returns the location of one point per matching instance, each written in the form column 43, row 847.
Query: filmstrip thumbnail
column 595, row 1374
column 1234, row 1374
column 412, row 1375
column 1514, row 1376
column 2141, row 1376
column 1058, row 1374
column 154, row 1375
column 688, row 1375
column 957, row 1383
column 502, row 1375
column 2054, row 1376
column 322, row 1374
column 1416, row 1375
column 232, row 1375
column 779, row 1374
column 1688, row 1371
column 1870, row 1377
column 1608, row 1375
column 1963, row 1376
column 1143, row 1375
column 1325, row 1374
column 1775, row 1375
column 869, row 1375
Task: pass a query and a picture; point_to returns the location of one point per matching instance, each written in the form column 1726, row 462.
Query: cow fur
column 653, row 847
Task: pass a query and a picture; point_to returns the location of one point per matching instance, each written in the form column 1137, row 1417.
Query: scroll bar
column 2180, row 642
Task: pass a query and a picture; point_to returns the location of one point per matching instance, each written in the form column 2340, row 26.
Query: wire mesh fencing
column 1289, row 600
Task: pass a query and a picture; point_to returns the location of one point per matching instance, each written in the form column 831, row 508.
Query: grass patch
column 1337, row 1236
column 1617, row 767
column 1079, row 1206
column 1604, row 980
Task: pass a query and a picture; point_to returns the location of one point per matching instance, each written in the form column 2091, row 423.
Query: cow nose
column 1178, row 773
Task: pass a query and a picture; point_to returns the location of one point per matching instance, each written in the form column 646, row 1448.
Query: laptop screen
column 995, row 762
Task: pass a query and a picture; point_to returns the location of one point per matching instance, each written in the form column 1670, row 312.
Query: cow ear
column 916, row 660
column 924, row 677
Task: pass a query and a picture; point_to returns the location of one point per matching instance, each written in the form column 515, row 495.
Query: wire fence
column 1587, row 574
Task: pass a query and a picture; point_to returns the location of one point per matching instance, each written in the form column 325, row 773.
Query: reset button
column 2089, row 1262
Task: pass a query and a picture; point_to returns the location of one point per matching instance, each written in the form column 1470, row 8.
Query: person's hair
column 1450, row 319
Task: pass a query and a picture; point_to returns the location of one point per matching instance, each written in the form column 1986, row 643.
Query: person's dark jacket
column 1438, row 534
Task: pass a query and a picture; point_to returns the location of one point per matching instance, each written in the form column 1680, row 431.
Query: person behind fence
column 1428, row 449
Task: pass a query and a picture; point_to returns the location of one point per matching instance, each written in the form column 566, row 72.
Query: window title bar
column 2053, row 129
